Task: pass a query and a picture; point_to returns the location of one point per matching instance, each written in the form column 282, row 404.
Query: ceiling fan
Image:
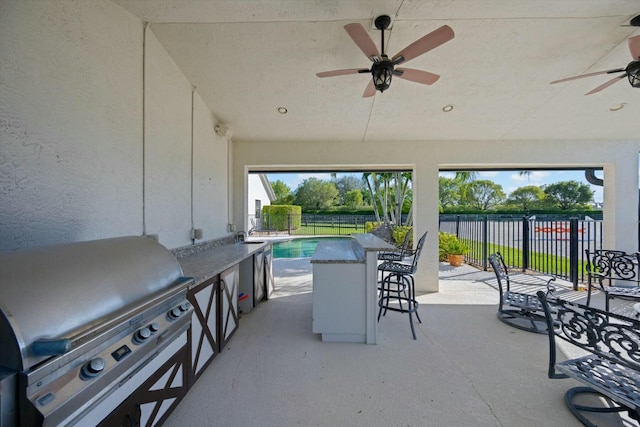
column 383, row 68
column 631, row 71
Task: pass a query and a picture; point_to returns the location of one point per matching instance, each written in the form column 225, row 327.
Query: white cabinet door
column 203, row 336
column 258, row 277
column 229, row 283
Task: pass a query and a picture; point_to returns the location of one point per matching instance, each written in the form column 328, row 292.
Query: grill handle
column 46, row 347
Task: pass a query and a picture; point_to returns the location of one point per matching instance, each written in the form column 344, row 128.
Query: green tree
column 282, row 192
column 389, row 191
column 483, row 194
column 568, row 194
column 353, row 199
column 347, row 183
column 449, row 192
column 527, row 197
column 314, row 193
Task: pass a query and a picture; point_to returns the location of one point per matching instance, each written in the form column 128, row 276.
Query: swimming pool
column 300, row 248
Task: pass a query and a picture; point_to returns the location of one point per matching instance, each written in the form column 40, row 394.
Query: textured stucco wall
column 70, row 122
column 74, row 163
column 167, row 147
column 210, row 200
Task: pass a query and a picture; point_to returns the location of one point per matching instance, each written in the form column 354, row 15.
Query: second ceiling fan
column 383, row 68
column 631, row 71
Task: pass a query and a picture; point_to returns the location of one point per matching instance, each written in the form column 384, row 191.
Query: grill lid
column 57, row 292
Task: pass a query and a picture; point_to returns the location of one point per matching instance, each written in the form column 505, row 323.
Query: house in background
column 260, row 194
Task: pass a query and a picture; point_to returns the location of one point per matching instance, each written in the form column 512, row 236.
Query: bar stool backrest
column 404, row 250
column 417, row 252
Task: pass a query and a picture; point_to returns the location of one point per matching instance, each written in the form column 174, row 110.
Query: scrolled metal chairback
column 615, row 264
column 597, row 331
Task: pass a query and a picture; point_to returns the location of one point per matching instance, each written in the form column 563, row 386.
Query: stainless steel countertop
column 210, row 262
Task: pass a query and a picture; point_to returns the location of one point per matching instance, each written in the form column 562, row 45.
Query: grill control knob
column 141, row 335
column 154, row 327
column 93, row 368
column 184, row 307
column 174, row 314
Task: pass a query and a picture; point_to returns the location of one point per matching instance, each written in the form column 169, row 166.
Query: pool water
column 300, row 248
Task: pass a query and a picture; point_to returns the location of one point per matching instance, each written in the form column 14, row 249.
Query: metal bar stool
column 395, row 255
column 397, row 286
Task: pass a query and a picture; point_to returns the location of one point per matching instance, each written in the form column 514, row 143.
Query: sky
column 509, row 180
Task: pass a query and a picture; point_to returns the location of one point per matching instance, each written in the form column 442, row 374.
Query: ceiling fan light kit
column 383, row 69
column 633, row 73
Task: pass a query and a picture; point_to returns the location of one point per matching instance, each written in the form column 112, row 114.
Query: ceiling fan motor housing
column 382, row 22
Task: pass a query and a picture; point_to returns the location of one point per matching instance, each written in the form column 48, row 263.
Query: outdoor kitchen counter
column 345, row 287
column 207, row 263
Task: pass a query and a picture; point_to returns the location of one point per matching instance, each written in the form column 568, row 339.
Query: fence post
column 458, row 226
column 525, row 243
column 485, row 242
column 573, row 252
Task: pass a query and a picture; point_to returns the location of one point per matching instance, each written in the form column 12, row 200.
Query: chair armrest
column 550, row 288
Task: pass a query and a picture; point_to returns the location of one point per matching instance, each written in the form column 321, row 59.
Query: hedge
column 281, row 217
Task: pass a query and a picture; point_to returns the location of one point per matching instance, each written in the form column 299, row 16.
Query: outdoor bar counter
column 345, row 287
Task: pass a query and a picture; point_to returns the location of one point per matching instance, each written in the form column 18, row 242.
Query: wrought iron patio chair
column 615, row 273
column 521, row 309
column 397, row 285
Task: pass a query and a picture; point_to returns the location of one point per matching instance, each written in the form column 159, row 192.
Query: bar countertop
column 349, row 251
column 337, row 252
column 371, row 242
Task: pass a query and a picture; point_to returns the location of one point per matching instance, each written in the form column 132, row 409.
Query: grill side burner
column 81, row 322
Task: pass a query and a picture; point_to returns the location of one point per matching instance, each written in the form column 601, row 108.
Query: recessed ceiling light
column 282, row 110
column 618, row 107
column 447, row 108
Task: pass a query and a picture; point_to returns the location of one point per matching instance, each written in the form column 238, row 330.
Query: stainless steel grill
column 78, row 322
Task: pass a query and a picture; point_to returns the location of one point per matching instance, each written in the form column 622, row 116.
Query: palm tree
column 388, row 191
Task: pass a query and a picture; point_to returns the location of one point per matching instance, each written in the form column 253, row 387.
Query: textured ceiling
column 249, row 57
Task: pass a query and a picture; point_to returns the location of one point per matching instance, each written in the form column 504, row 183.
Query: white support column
column 620, row 212
column 425, row 218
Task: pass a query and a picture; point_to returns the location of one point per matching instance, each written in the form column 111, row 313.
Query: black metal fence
column 312, row 224
column 547, row 245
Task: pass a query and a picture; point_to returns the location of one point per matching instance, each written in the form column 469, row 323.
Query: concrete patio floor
column 465, row 369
